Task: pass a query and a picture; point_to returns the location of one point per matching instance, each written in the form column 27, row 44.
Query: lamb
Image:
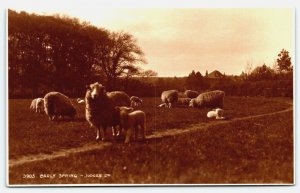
column 132, row 121
column 119, row 98
column 191, row 94
column 169, row 97
column 100, row 109
column 136, row 101
column 57, row 104
column 212, row 99
column 216, row 113
column 37, row 105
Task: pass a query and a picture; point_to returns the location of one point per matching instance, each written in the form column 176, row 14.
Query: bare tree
column 119, row 54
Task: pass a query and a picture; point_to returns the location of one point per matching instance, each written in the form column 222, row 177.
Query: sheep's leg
column 170, row 105
column 113, row 131
column 128, row 135
column 103, row 133
column 98, row 131
column 118, row 130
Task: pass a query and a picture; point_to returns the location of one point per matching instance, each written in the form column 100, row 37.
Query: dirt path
column 102, row 145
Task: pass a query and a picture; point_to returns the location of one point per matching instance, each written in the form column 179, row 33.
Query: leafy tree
column 262, row 73
column 284, row 61
column 148, row 73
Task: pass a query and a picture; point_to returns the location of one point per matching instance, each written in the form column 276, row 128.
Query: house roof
column 215, row 74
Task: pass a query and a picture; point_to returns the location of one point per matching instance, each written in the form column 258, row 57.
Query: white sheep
column 39, row 105
column 216, row 113
column 119, row 98
column 33, row 104
column 133, row 121
column 191, row 94
column 100, row 109
column 57, row 105
column 169, row 97
column 135, row 101
column 212, row 99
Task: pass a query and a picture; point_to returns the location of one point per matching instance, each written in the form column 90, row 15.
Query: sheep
column 119, row 98
column 191, row 94
column 80, row 101
column 100, row 109
column 135, row 101
column 39, row 105
column 33, row 105
column 57, row 104
column 132, row 121
column 209, row 99
column 169, row 97
column 183, row 101
column 216, row 113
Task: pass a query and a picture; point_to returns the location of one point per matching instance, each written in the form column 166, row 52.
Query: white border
column 174, row 3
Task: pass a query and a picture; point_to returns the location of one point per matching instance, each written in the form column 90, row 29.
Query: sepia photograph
column 150, row 96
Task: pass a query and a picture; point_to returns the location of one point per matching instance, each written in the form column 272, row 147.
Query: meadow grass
column 31, row 133
column 253, row 151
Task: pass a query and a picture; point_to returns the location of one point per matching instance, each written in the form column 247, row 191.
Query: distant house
column 215, row 75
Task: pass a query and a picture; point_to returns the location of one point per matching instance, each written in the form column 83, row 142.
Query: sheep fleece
column 57, row 103
column 210, row 99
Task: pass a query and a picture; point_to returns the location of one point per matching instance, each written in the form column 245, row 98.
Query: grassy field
column 252, row 151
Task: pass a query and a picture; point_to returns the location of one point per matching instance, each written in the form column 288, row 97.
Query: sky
column 176, row 40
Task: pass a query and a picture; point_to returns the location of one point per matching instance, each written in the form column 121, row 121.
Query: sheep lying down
column 216, row 113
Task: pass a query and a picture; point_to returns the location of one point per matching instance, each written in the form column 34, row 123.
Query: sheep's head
column 96, row 90
column 192, row 103
column 219, row 112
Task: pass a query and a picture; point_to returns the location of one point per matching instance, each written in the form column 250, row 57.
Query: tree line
column 61, row 53
column 47, row 53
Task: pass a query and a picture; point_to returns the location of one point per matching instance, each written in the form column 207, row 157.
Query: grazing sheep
column 57, row 104
column 119, row 98
column 183, row 101
column 136, row 101
column 132, row 121
column 191, row 94
column 39, row 105
column 80, row 101
column 209, row 99
column 216, row 113
column 33, row 104
column 100, row 109
column 169, row 97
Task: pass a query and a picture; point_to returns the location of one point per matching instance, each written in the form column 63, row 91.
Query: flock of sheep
column 117, row 110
